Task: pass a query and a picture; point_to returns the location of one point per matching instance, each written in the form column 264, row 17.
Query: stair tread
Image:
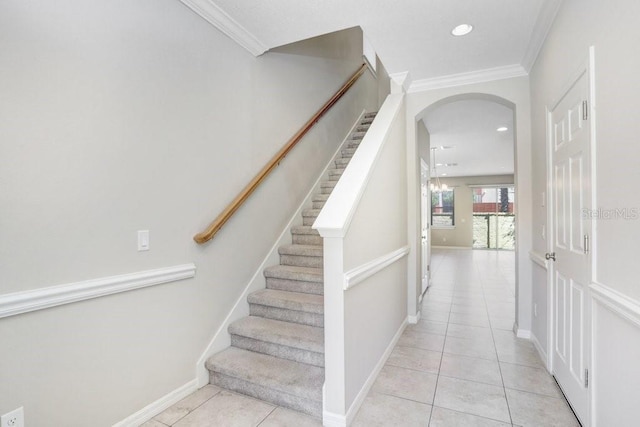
column 301, row 250
column 309, row 303
column 304, row 229
column 286, row 376
column 293, row 272
column 311, row 212
column 288, row 334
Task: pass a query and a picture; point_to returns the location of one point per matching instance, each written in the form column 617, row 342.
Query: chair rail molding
column 39, row 299
column 368, row 269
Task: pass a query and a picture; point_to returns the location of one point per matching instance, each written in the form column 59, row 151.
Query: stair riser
column 307, row 406
column 348, row 153
column 309, row 220
column 318, row 205
column 342, row 163
column 326, row 190
column 295, row 286
column 353, row 145
column 301, row 261
column 277, row 350
column 307, row 239
column 304, row 318
column 335, row 174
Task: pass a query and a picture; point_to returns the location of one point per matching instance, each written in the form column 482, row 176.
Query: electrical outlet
column 14, row 418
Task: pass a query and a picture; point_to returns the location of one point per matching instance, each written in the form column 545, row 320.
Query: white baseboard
column 414, row 319
column 330, row 419
column 221, row 339
column 523, row 333
column 541, row 352
column 153, row 409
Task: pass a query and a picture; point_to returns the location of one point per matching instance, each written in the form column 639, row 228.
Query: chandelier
column 436, row 185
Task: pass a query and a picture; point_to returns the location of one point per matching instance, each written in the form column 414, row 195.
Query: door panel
column 570, row 163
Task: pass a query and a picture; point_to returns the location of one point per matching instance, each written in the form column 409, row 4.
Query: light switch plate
column 143, row 241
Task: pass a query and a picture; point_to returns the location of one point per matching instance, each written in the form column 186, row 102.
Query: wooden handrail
column 217, row 224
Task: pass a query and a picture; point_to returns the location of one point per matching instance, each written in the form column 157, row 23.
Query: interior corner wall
column 461, row 235
column 611, row 28
column 384, row 82
column 515, row 91
column 123, row 116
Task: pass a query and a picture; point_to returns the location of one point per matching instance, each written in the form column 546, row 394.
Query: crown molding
column 480, row 76
column 217, row 17
column 541, row 29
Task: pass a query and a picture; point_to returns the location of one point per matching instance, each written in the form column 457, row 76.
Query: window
column 442, row 209
column 494, row 217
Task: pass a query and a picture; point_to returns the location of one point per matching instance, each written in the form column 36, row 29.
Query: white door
column 425, row 208
column 570, row 161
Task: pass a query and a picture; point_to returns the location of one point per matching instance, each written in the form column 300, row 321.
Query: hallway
column 459, row 366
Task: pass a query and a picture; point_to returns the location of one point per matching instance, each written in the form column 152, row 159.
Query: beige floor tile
column 481, row 349
column 520, row 356
column 472, row 369
column 533, row 410
column 227, row 409
column 415, row 358
column 472, row 398
column 380, row 410
column 526, row 378
column 153, row 423
column 418, row 339
column 435, row 316
column 441, row 417
column 429, row 326
column 282, row 417
column 406, row 383
column 469, row 332
column 481, row 319
column 186, row 405
column 504, row 323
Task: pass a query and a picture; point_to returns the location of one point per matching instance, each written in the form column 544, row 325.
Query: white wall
column 119, row 116
column 365, row 273
column 514, row 91
column 611, row 27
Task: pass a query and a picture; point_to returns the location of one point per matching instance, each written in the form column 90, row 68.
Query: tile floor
column 461, row 365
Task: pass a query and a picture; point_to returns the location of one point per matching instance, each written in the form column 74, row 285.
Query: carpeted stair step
column 362, row 128
column 353, row 144
column 305, row 235
column 296, row 307
column 335, row 173
column 342, row 163
column 309, row 215
column 327, row 187
column 282, row 382
column 348, row 152
column 319, row 200
column 291, row 341
column 302, row 255
column 306, row 280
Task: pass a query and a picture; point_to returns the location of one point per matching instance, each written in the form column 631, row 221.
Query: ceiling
column 470, row 128
column 412, row 35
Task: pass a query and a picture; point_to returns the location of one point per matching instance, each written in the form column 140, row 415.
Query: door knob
column 549, row 256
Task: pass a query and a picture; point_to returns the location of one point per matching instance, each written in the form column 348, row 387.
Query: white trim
column 473, row 77
column 543, row 24
column 415, row 319
column 541, row 352
column 153, row 409
column 450, row 247
column 336, row 420
column 336, row 216
column 538, row 259
column 618, row 303
column 400, row 82
column 217, row 17
column 39, row 299
column 359, row 274
column 523, row 333
column 221, row 339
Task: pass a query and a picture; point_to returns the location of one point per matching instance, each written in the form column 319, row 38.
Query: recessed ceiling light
column 502, row 129
column 462, row 30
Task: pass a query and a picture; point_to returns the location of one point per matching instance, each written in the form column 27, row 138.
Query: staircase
column 277, row 353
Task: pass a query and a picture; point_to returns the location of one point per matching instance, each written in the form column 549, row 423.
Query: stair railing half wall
column 228, row 212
